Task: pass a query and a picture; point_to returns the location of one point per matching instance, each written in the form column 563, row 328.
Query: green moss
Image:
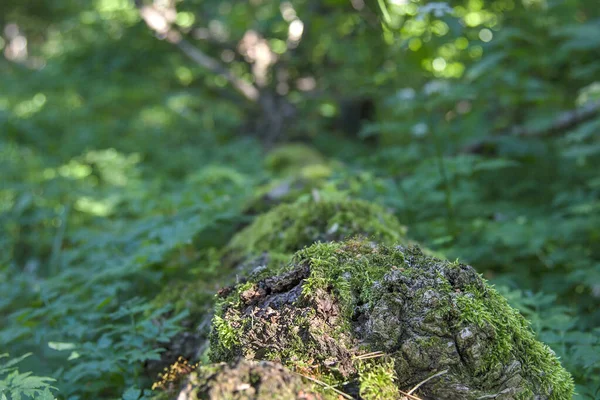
column 225, row 336
column 513, row 335
column 290, row 227
column 290, row 158
column 349, row 269
column 377, row 379
column 228, row 335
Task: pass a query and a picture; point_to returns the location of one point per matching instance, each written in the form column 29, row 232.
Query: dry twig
column 325, row 385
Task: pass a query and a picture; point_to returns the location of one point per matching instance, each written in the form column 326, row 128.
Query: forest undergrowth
column 132, row 152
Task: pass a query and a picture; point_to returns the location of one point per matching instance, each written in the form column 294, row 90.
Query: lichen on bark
column 337, row 301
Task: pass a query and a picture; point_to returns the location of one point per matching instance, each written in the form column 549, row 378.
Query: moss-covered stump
column 288, row 159
column 247, row 380
column 299, row 171
column 304, row 182
column 277, row 234
column 340, row 303
column 296, row 169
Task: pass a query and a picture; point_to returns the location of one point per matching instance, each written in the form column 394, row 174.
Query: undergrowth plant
column 18, row 385
column 81, row 300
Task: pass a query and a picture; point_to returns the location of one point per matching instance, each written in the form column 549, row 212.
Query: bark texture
column 246, row 380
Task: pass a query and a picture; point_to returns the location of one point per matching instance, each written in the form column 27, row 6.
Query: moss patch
column 270, row 241
column 336, row 301
column 291, row 188
column 290, row 158
column 290, row 227
column 377, row 380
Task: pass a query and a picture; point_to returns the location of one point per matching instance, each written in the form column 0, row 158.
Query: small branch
column 247, row 89
column 411, row 391
column 374, row 354
column 160, row 20
column 409, row 396
column 325, row 385
column 565, row 121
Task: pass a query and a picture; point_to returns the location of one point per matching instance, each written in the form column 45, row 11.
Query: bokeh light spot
column 185, row 19
column 439, row 64
column 415, row 44
column 486, row 35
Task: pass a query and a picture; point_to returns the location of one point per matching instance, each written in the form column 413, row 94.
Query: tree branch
column 249, row 91
column 564, row 122
column 161, row 21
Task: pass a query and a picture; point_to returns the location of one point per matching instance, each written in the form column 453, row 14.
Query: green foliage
column 559, row 327
column 87, row 286
column 126, row 166
column 19, row 386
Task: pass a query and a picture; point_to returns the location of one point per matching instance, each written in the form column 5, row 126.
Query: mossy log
column 247, row 380
column 357, row 314
column 261, row 248
column 288, row 159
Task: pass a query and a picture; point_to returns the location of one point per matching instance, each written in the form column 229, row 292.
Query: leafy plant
column 23, row 385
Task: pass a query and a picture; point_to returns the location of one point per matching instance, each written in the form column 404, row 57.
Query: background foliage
column 133, row 140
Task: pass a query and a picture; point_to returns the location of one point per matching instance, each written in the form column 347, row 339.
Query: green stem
column 446, row 182
column 58, row 241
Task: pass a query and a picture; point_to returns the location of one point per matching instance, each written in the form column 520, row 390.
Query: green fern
column 15, row 385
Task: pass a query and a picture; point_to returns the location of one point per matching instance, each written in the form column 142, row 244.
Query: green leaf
column 484, row 66
column 61, row 346
column 495, row 164
column 132, row 393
